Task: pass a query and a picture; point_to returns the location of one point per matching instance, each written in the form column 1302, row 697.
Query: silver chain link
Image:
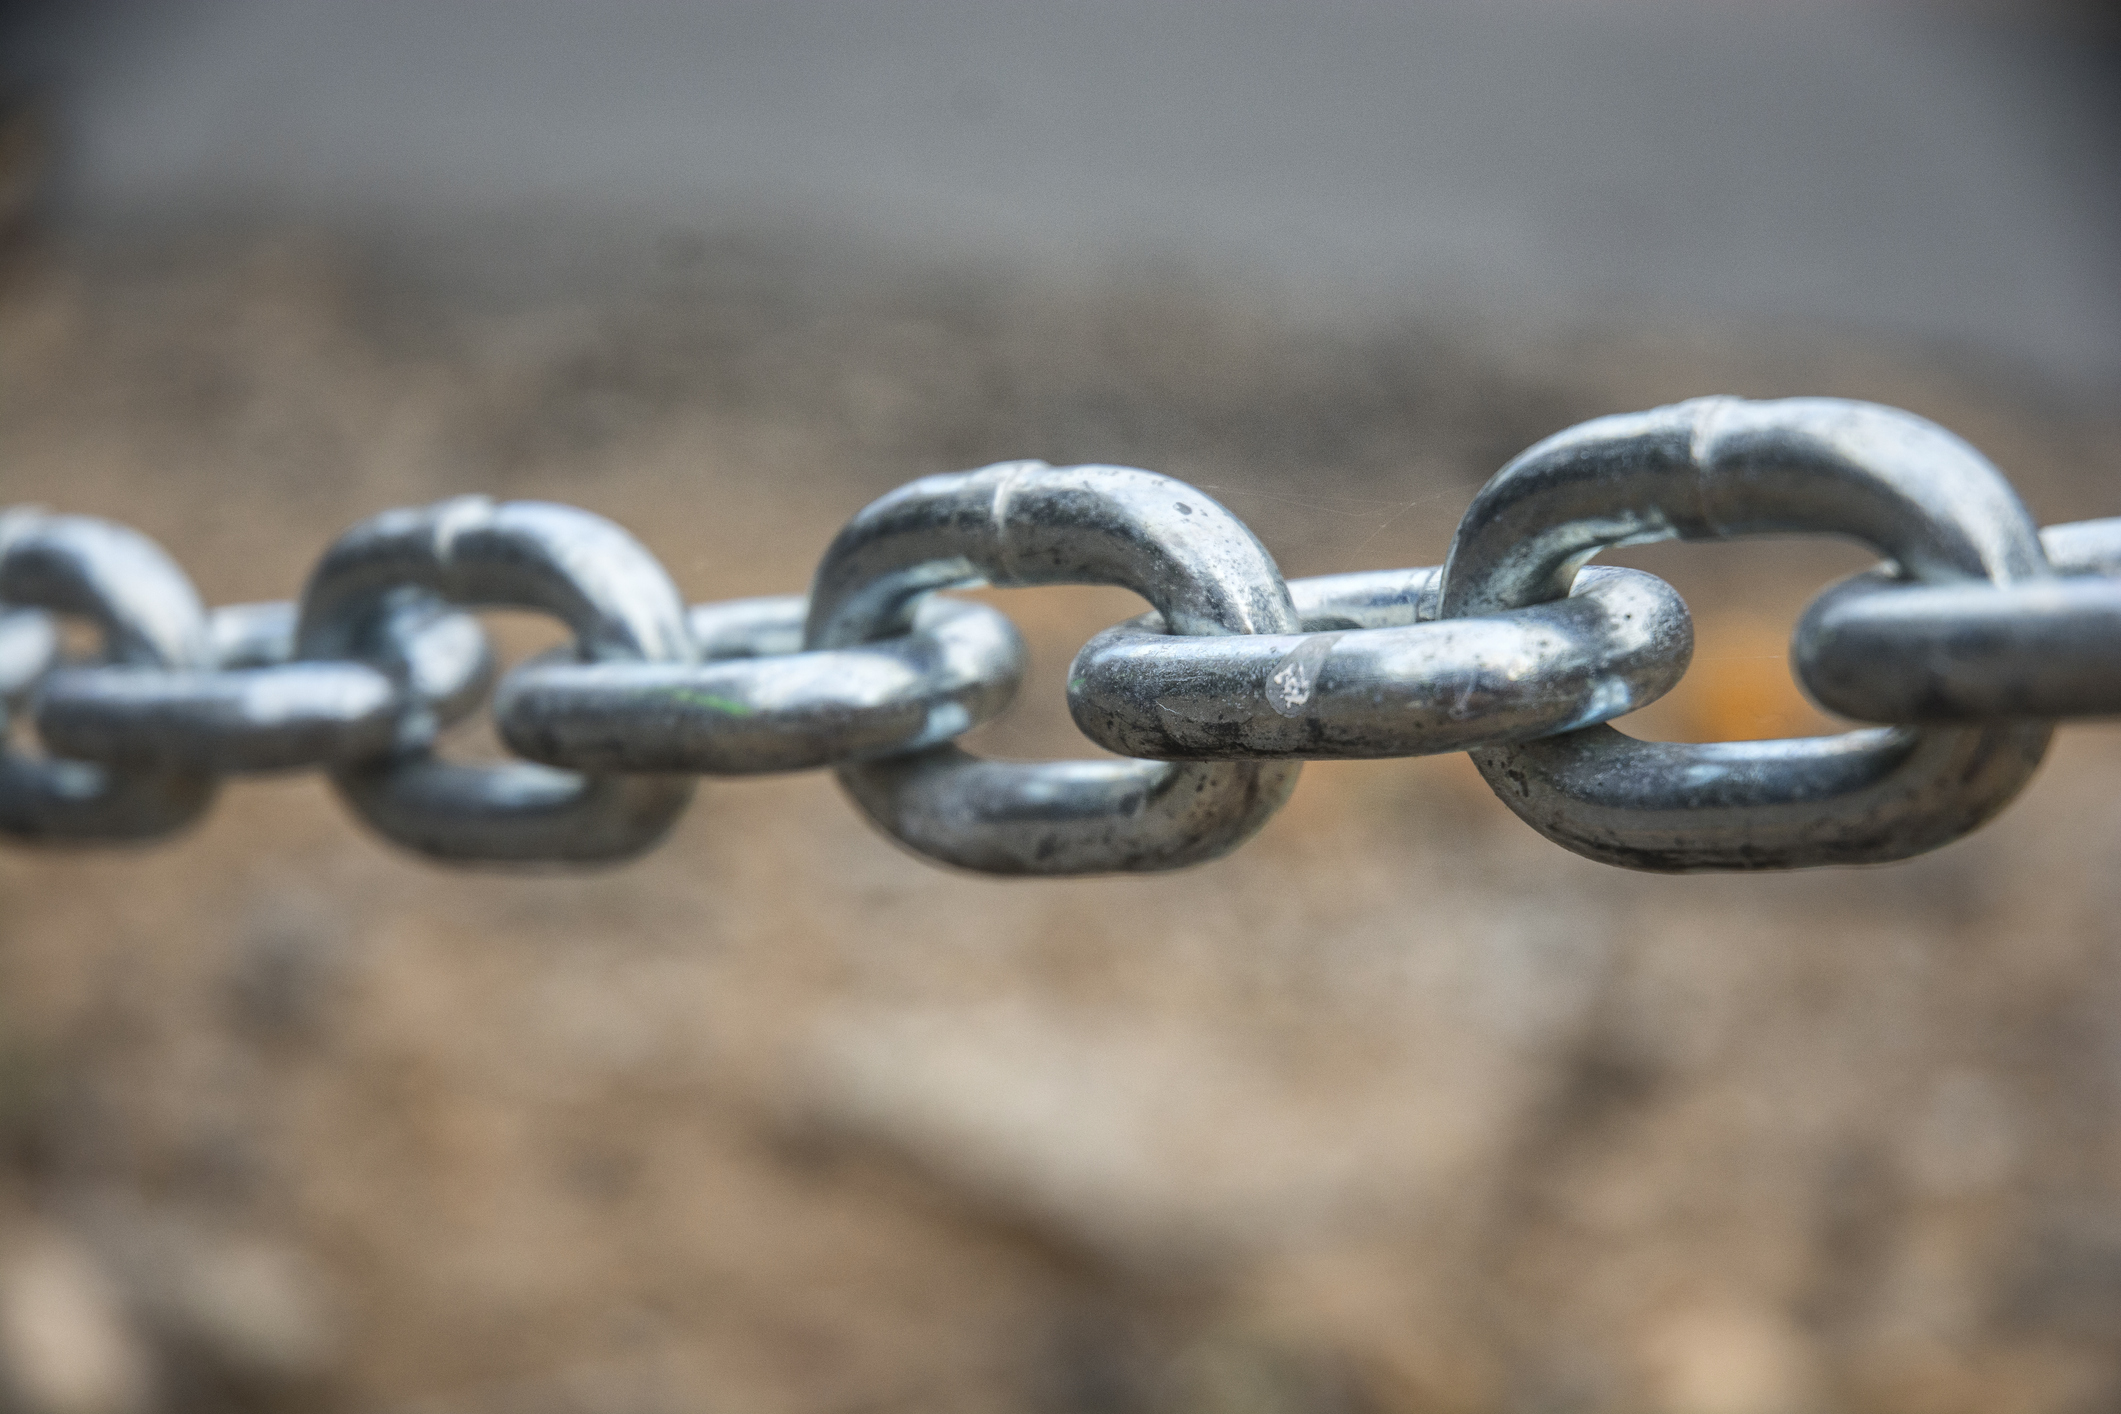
column 1977, row 634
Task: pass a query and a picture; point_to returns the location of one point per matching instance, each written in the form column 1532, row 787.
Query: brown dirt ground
column 1399, row 1108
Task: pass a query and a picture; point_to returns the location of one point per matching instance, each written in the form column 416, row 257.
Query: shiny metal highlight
column 256, row 711
column 1366, row 680
column 761, row 704
column 1881, row 649
column 576, row 566
column 1508, row 652
column 1026, row 523
column 1720, row 467
column 150, row 621
column 29, row 648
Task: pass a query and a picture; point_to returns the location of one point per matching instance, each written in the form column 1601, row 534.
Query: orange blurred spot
column 1739, row 688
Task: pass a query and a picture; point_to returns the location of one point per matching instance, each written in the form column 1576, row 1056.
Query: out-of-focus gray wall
column 1895, row 170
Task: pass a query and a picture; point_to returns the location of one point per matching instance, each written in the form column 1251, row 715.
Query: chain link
column 1026, row 523
column 150, row 621
column 755, row 702
column 257, row 710
column 1974, row 637
column 1880, row 648
column 1718, row 468
column 1374, row 675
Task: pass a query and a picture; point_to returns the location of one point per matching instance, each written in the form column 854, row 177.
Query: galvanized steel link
column 758, row 703
column 1374, row 674
column 29, row 647
column 150, row 621
column 579, row 567
column 1509, row 651
column 1719, row 467
column 257, row 711
column 1881, row 649
column 1026, row 523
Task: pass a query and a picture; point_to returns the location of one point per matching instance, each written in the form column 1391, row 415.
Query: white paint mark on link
column 1290, row 685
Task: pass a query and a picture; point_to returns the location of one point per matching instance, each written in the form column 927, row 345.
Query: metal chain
column 1977, row 634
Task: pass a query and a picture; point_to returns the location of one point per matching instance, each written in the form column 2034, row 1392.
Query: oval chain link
column 578, row 567
column 1373, row 675
column 150, row 621
column 1025, row 523
column 1975, row 635
column 255, row 710
column 1717, row 468
column 1880, row 648
column 757, row 702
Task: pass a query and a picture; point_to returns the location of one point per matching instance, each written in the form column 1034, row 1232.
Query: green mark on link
column 693, row 697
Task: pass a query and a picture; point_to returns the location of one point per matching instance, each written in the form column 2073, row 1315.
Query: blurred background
column 1398, row 1110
